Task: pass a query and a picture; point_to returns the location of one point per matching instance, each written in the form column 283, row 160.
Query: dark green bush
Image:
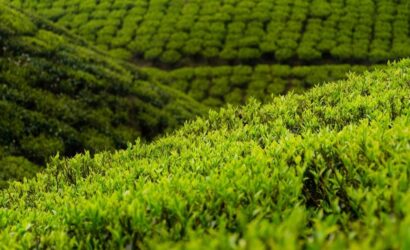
column 248, row 53
column 281, row 70
column 38, row 148
column 320, row 8
column 284, row 54
column 267, row 47
column 342, row 52
column 153, row 53
column 210, row 52
column 193, row 47
column 308, row 53
column 220, row 87
column 213, row 102
column 234, row 97
column 228, row 54
column 257, row 85
column 221, row 71
column 277, row 87
column 15, row 168
column 121, row 53
column 378, row 55
column 170, row 56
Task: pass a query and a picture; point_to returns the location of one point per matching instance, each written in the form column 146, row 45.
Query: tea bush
column 328, row 169
column 216, row 82
column 354, row 31
column 57, row 94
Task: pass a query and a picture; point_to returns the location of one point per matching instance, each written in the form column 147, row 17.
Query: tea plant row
column 216, row 86
column 57, row 95
column 181, row 32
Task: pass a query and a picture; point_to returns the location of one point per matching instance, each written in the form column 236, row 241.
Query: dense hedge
column 216, row 86
column 328, row 169
column 57, row 95
column 179, row 31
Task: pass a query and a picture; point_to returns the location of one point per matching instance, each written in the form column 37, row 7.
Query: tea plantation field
column 59, row 95
column 181, row 32
column 205, row 124
column 328, row 169
column 219, row 52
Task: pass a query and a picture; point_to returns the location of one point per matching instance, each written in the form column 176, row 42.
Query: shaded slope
column 325, row 170
column 58, row 94
column 217, row 86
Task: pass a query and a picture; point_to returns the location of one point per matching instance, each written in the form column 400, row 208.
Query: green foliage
column 248, row 53
column 152, row 53
column 228, row 54
column 278, row 86
column 59, row 95
column 13, row 22
column 220, row 87
column 308, row 53
column 235, row 96
column 260, row 82
column 284, row 54
column 38, row 148
column 353, row 31
column 320, row 8
column 170, row 56
column 120, row 53
column 324, row 170
column 15, row 168
column 267, row 47
column 327, row 169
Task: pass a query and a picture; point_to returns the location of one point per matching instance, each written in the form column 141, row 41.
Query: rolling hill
column 94, row 93
column 59, row 94
column 221, row 52
column 328, row 169
column 181, row 33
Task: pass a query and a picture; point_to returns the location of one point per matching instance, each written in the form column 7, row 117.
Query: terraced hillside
column 216, row 32
column 217, row 86
column 218, row 51
column 328, row 169
column 57, row 94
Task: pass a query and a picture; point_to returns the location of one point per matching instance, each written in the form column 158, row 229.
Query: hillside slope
column 220, row 85
column 221, row 52
column 328, row 169
column 59, row 94
column 181, row 32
